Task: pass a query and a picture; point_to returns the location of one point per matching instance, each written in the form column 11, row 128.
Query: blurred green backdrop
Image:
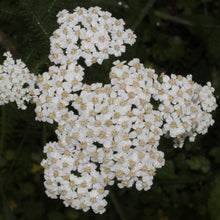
column 181, row 37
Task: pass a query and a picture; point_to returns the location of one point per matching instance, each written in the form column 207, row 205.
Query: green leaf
column 6, row 11
column 167, row 172
column 180, row 161
column 55, row 215
column 214, row 45
column 7, row 211
column 215, row 152
column 34, row 209
column 214, row 202
column 3, row 162
column 9, row 154
column 72, row 214
column 27, row 188
column 199, row 163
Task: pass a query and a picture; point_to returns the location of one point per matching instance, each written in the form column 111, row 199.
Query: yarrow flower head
column 17, row 84
column 91, row 34
column 105, row 133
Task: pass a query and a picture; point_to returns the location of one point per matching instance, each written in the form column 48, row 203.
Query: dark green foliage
column 181, row 37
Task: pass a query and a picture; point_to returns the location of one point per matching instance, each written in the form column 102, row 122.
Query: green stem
column 117, row 206
column 182, row 21
column 3, row 122
column 19, row 149
column 143, row 13
column 166, row 16
column 51, row 5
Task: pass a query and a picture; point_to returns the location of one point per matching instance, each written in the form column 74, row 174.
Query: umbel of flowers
column 110, row 132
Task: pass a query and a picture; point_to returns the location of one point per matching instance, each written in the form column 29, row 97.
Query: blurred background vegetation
column 181, row 37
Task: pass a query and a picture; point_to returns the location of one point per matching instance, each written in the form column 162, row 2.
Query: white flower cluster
column 186, row 107
column 92, row 34
column 105, row 133
column 17, row 84
column 56, row 88
column 115, row 134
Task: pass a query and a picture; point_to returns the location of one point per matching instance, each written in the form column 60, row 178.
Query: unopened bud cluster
column 106, row 133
